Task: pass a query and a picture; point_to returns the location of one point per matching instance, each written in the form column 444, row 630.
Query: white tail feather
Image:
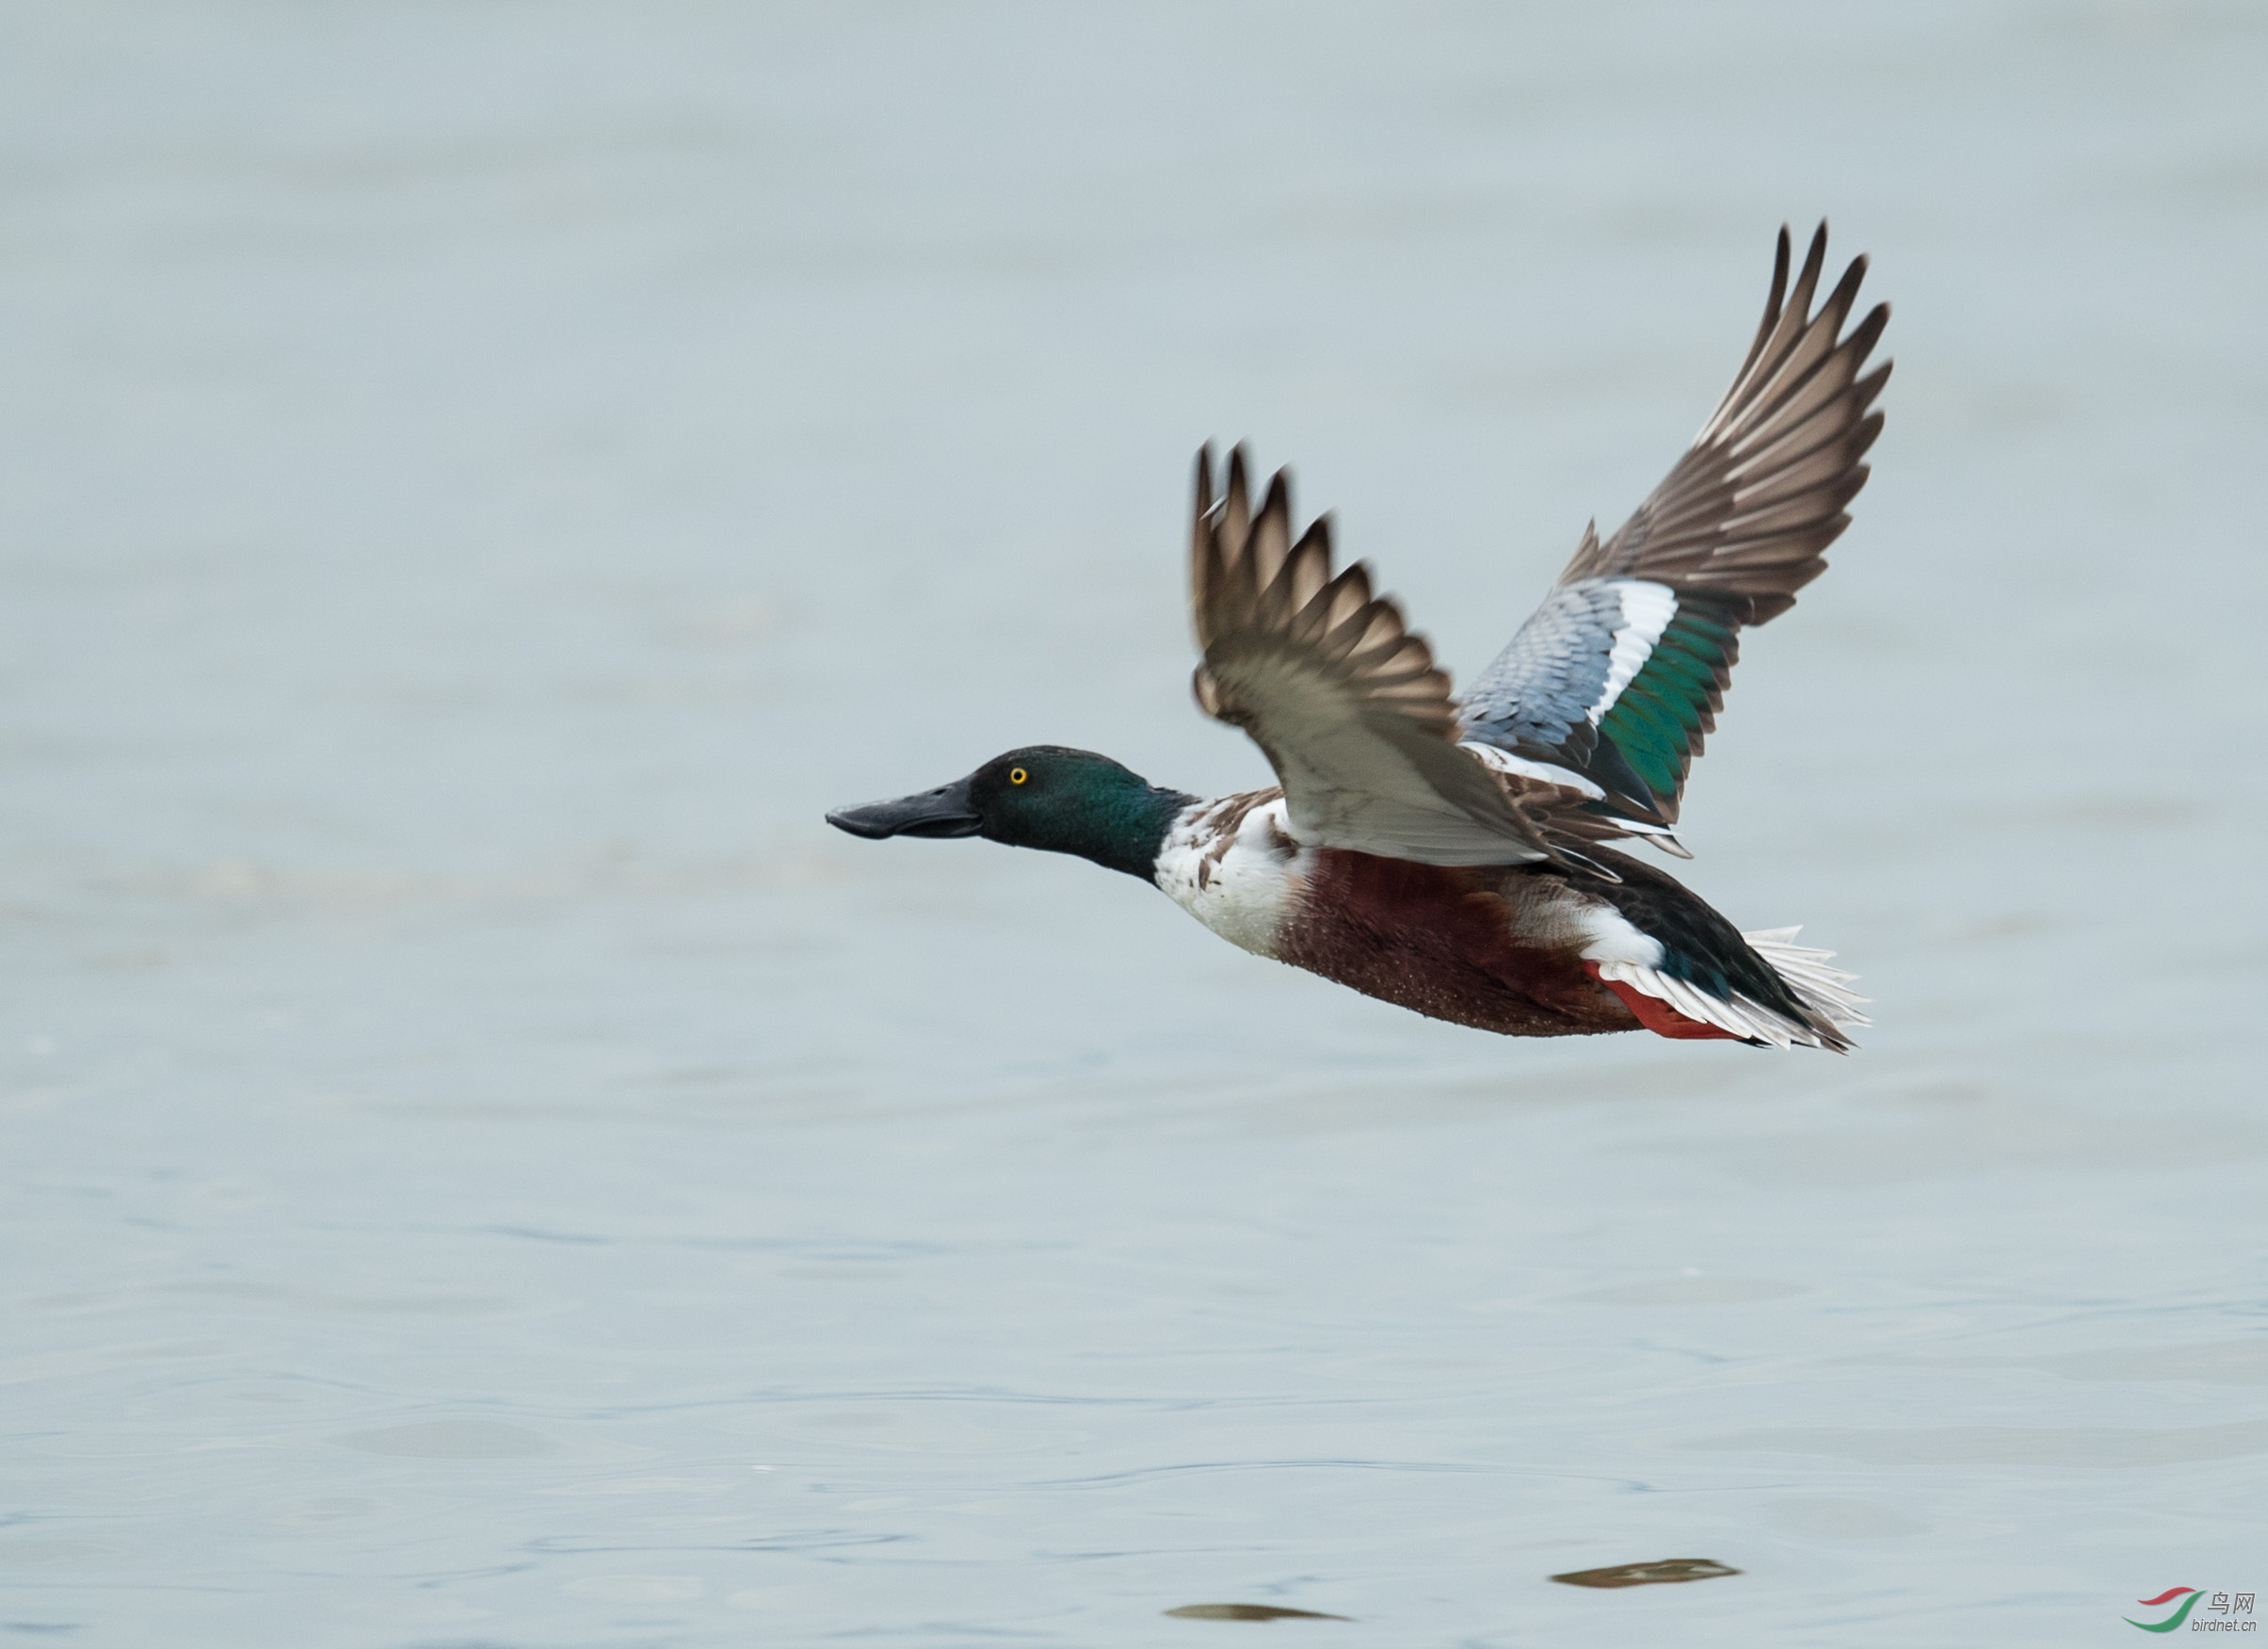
column 1749, row 1020
column 1820, row 988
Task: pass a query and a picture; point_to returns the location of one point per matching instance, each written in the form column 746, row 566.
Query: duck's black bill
column 945, row 811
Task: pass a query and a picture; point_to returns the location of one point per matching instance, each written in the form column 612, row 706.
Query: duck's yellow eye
column 1017, row 775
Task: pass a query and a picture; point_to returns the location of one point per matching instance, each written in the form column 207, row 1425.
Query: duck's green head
column 1043, row 796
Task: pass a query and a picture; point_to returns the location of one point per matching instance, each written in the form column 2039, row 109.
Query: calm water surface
column 485, row 1166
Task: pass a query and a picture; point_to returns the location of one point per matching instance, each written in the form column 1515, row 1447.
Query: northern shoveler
column 1449, row 856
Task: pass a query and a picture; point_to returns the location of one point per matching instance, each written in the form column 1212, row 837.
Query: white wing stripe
column 1646, row 609
column 1504, row 761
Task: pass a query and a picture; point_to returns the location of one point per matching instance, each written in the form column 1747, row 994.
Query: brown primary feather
column 1761, row 493
column 1346, row 701
column 1252, row 587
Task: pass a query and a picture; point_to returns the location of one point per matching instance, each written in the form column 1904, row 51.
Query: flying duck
column 1450, row 855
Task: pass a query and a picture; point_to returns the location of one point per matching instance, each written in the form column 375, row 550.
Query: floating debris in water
column 1668, row 1571
column 1248, row 1612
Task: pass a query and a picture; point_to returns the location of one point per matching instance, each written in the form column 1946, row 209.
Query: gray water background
column 484, row 1164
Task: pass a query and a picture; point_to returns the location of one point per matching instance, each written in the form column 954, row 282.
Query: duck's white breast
column 1232, row 865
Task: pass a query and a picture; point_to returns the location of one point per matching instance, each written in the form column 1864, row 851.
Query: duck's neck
column 1120, row 826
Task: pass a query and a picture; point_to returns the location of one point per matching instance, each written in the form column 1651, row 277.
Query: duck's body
column 1496, row 947
column 1448, row 857
column 1518, row 949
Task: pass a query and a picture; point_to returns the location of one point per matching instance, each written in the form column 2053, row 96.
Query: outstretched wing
column 1346, row 702
column 1619, row 677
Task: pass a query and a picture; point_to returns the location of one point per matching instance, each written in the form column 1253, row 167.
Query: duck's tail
column 1816, row 999
column 1825, row 991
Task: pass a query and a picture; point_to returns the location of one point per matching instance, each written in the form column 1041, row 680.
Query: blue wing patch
column 1542, row 686
column 1612, row 680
